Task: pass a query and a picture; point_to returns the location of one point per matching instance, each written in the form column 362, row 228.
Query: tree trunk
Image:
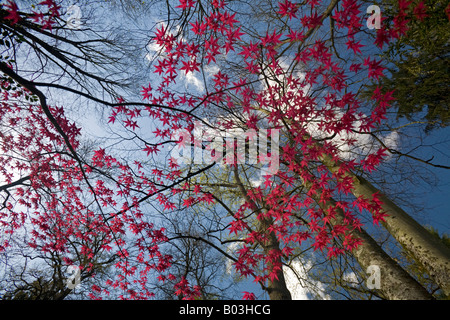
column 426, row 250
column 395, row 282
column 277, row 287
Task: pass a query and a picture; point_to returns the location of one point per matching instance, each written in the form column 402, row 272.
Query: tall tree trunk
column 395, row 282
column 434, row 256
column 276, row 288
column 426, row 250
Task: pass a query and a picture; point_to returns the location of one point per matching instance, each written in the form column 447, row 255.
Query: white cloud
column 192, row 79
column 300, row 284
column 351, row 279
column 392, row 140
column 364, row 143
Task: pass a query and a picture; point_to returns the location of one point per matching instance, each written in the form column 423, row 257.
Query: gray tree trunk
column 426, row 250
column 276, row 288
column 395, row 282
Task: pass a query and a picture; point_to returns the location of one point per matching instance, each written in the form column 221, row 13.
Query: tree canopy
column 419, row 62
column 230, row 141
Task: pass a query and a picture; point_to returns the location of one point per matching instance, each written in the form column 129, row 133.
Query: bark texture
column 276, row 288
column 426, row 250
column 429, row 252
column 396, row 283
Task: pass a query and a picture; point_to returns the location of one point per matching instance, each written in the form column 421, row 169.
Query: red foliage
column 13, row 14
column 53, row 201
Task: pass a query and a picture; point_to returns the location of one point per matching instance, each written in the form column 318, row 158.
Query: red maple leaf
column 420, row 11
column 287, row 8
column 447, row 11
column 355, row 46
column 375, row 68
column 186, row 4
column 146, row 92
column 404, row 5
column 248, row 296
column 13, row 13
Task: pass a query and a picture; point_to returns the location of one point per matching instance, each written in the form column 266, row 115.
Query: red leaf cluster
column 57, row 187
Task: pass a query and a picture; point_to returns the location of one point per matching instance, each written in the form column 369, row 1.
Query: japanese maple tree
column 289, row 75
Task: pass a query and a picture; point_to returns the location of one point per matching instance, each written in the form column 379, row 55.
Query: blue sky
column 434, row 199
